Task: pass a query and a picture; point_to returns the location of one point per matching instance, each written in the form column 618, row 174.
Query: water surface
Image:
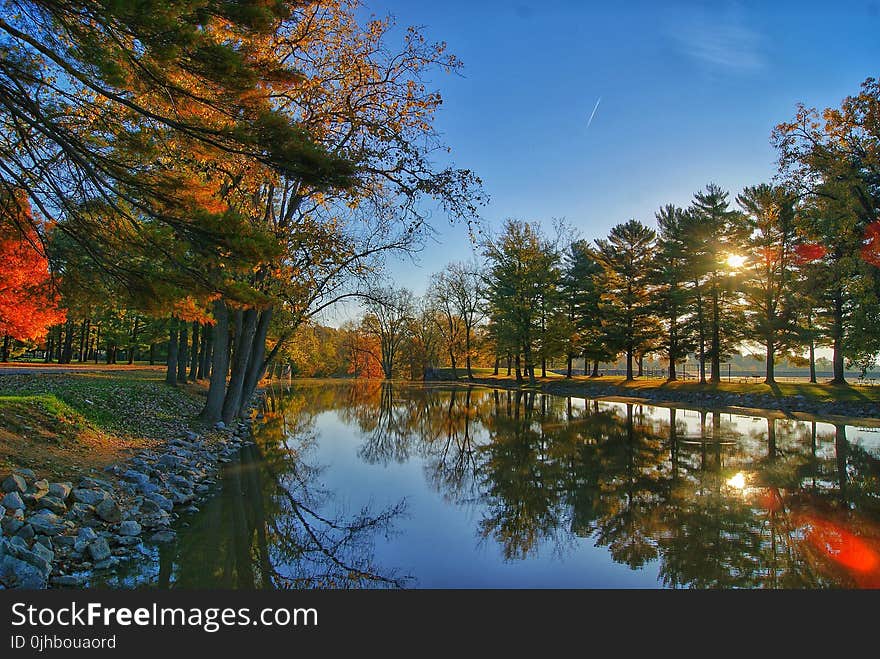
column 365, row 484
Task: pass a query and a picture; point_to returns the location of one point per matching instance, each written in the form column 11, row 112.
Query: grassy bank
column 68, row 424
column 816, row 392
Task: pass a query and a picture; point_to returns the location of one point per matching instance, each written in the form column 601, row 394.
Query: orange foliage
column 363, row 359
column 871, row 246
column 28, row 305
column 807, row 252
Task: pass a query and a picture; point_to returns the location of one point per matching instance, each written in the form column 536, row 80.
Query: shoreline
column 61, row 534
column 750, row 404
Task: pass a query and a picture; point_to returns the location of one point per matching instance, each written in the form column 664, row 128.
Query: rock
column 64, row 541
column 127, row 541
column 89, row 497
column 99, row 550
column 47, row 523
column 26, row 532
column 129, row 528
column 28, row 474
column 106, row 563
column 108, row 510
column 44, row 552
column 163, row 536
column 191, row 436
column 18, row 574
column 12, row 501
column 81, row 511
column 68, row 580
column 41, row 485
column 95, row 484
column 44, row 540
column 135, row 476
column 2, row 512
column 60, row 490
column 220, row 425
column 54, row 504
column 39, row 559
column 163, row 502
column 84, row 538
column 169, row 460
column 14, row 483
column 11, row 525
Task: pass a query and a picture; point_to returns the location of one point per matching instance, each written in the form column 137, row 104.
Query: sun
column 735, row 261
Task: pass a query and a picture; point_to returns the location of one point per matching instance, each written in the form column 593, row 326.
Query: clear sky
column 690, row 92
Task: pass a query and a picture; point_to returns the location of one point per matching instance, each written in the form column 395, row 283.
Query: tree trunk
column 171, row 372
column 467, row 357
column 837, row 335
column 182, row 352
column 672, row 374
column 497, row 362
column 641, row 366
column 246, row 325
column 595, row 372
column 629, row 363
column 812, row 360
column 97, row 342
column 217, row 388
column 209, row 351
column 152, row 354
column 194, row 353
column 771, row 358
column 84, row 328
column 4, row 357
column 203, row 352
column 67, row 355
column 509, row 364
column 543, row 367
column 518, row 369
column 568, row 366
column 132, row 346
column 257, row 363
column 716, row 338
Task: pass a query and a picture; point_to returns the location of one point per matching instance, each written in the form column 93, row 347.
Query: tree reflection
column 546, row 471
column 708, row 500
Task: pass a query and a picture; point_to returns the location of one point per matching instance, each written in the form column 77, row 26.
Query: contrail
column 593, row 113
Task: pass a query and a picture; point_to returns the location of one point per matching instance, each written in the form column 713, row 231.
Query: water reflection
column 696, row 499
column 718, row 501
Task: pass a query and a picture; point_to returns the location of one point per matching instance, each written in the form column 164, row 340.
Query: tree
column 715, row 242
column 832, row 161
column 388, row 320
column 626, row 257
column 445, row 317
column 465, row 288
column 580, row 291
column 519, row 261
column 28, row 299
column 670, row 276
column 769, row 221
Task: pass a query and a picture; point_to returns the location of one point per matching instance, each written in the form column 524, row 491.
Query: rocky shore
column 709, row 399
column 55, row 534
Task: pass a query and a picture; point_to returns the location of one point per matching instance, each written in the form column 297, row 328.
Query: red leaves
column 28, row 305
column 808, row 252
column 871, row 247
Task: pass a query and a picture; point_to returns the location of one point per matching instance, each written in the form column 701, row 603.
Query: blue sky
column 690, row 92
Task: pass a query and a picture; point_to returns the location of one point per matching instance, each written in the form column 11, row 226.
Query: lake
column 362, row 484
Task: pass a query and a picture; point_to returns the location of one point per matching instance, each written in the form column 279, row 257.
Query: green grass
column 817, row 392
column 133, row 403
column 17, row 412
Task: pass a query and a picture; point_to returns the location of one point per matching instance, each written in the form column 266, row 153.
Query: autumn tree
column 28, row 297
column 388, row 320
column 832, row 160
